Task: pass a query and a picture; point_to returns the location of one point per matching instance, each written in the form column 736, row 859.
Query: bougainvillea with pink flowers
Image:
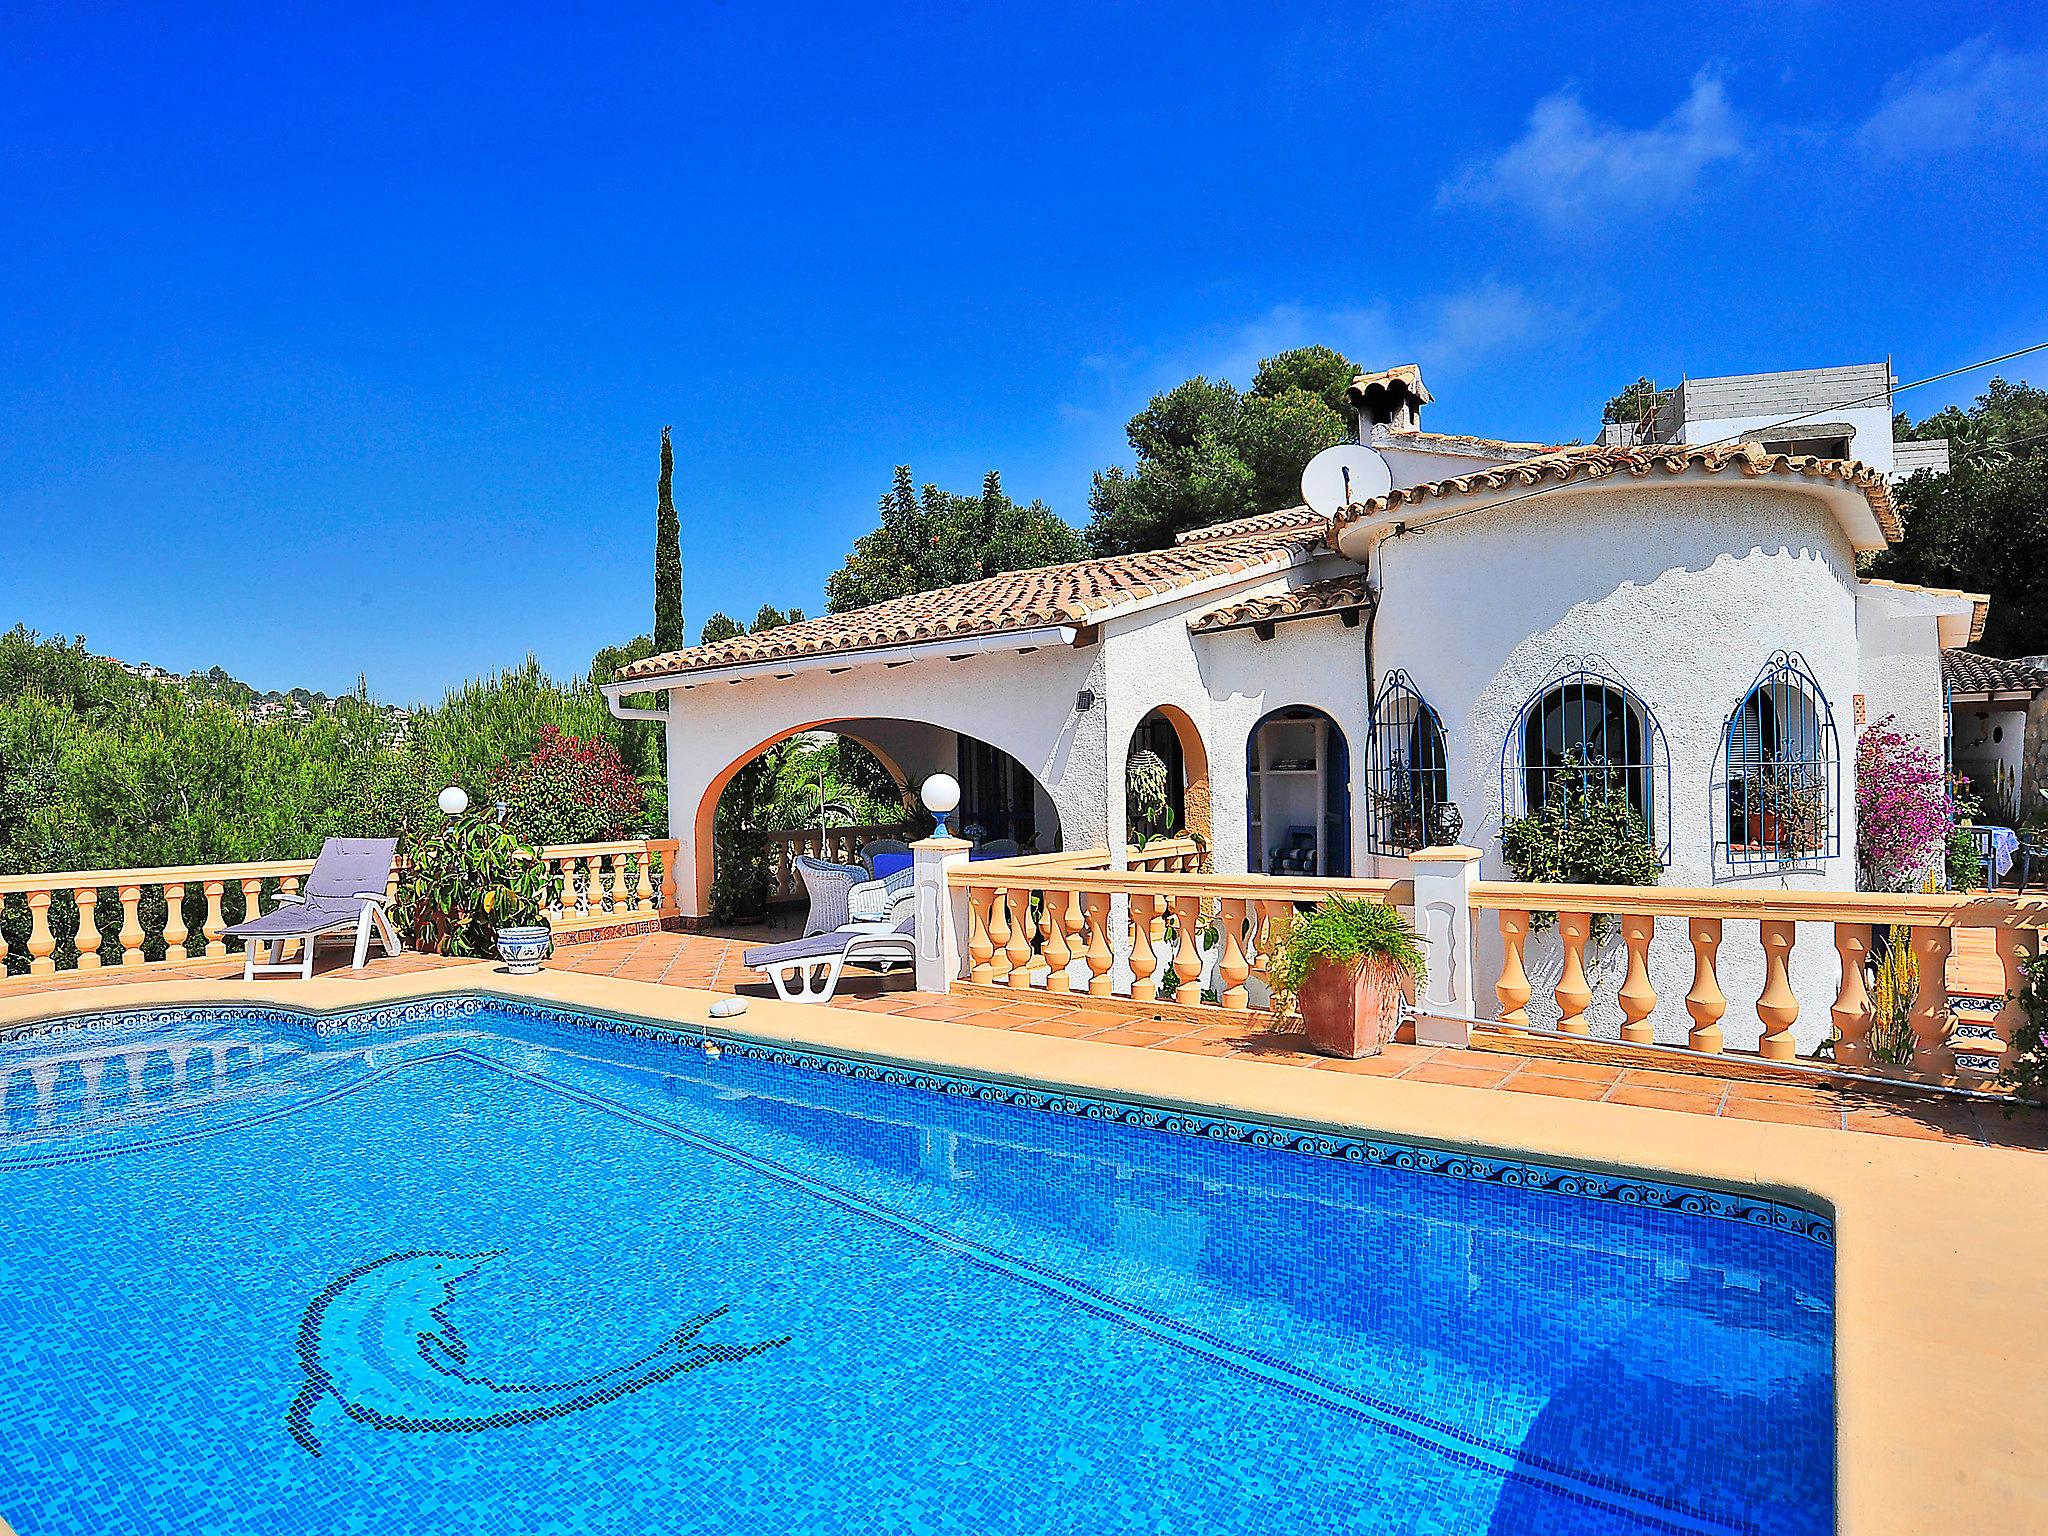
column 1903, row 814
column 571, row 791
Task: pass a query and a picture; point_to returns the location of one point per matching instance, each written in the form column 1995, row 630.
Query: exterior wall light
column 454, row 800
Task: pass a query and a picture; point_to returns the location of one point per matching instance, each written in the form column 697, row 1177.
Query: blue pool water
column 491, row 1272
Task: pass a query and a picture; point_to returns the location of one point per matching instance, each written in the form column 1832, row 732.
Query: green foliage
column 669, row 634
column 571, row 791
column 1207, row 454
column 934, row 538
column 839, row 775
column 720, row 626
column 464, row 880
column 770, row 617
column 1984, row 525
column 1633, row 404
column 1148, row 808
column 1585, row 833
column 99, row 770
column 1345, row 933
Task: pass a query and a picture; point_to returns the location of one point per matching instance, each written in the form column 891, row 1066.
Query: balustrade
column 179, row 916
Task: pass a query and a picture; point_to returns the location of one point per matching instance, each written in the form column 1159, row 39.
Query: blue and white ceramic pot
column 523, row 949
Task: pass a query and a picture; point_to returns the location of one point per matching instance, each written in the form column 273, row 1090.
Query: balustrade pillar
column 980, row 947
column 1187, row 958
column 41, row 943
column 1022, row 931
column 88, row 937
column 215, row 925
column 1705, row 1002
column 174, row 924
column 1930, row 1016
column 1574, row 993
column 131, row 925
column 1777, row 1008
column 1059, row 915
column 1100, row 956
column 1853, row 1013
column 1144, row 958
column 1513, row 989
column 999, row 935
column 1231, row 966
column 1638, row 997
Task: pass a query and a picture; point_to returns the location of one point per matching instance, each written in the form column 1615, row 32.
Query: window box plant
column 1343, row 967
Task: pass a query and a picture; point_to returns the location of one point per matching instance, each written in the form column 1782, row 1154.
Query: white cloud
column 1978, row 93
column 1570, row 168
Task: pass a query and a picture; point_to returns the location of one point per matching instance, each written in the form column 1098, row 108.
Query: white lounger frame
column 372, row 917
column 815, row 978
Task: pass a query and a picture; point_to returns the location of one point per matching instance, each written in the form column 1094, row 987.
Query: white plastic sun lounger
column 344, row 890
column 807, row 970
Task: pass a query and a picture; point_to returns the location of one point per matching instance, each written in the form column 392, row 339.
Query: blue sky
column 339, row 340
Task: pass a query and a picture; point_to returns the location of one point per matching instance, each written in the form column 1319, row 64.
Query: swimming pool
column 464, row 1266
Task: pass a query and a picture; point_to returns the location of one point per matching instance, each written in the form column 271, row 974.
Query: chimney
column 1392, row 398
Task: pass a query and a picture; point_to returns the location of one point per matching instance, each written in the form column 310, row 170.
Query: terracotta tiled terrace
column 712, row 962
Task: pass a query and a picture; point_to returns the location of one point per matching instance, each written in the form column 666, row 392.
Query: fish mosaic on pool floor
column 379, row 1341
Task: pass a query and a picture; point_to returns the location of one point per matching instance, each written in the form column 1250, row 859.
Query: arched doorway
column 1170, row 734
column 1297, row 768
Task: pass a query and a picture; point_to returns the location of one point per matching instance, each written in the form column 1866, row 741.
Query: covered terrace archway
column 1002, row 802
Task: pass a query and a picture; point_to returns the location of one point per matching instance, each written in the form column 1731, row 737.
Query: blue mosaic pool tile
column 991, row 1309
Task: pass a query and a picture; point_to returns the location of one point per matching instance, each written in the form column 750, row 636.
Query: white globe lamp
column 941, row 797
column 454, row 800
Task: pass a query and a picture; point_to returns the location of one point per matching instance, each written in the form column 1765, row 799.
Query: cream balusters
column 1638, row 997
column 1777, row 1008
column 1853, row 1013
column 1573, row 992
column 1512, row 988
column 88, row 938
column 1705, row 1002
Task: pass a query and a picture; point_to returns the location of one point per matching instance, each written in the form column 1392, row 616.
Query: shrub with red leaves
column 571, row 791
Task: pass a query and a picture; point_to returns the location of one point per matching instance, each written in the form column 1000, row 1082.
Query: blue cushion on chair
column 887, row 864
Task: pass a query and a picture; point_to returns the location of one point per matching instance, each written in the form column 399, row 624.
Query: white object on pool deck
column 728, row 1007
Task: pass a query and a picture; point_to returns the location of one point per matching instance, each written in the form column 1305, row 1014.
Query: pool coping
column 1940, row 1328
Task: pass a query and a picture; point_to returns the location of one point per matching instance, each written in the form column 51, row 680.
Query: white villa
column 1684, row 606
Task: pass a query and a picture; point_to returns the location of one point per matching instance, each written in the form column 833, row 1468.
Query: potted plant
column 471, row 888
column 1342, row 966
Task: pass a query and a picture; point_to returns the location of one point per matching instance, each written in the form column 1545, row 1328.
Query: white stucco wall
column 1986, row 740
column 1682, row 592
column 1870, row 437
column 1226, row 683
column 1023, row 704
column 1900, row 664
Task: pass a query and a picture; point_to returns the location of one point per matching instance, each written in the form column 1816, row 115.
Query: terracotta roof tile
column 1079, row 593
column 1264, row 522
column 1598, row 461
column 1969, row 672
column 1334, row 594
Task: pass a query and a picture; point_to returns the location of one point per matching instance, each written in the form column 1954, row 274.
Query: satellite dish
column 1343, row 476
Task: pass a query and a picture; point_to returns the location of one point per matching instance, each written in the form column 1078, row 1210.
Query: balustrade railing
column 838, row 845
column 97, row 919
column 1144, row 935
column 2001, row 933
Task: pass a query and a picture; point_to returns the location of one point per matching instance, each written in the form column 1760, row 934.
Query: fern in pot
column 1344, row 967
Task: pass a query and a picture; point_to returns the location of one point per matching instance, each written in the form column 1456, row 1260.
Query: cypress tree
column 668, row 560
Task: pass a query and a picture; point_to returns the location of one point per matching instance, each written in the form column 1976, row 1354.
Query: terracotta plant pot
column 1351, row 1012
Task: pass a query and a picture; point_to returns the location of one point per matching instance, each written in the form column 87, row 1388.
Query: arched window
column 1783, row 790
column 1586, row 734
column 1406, row 776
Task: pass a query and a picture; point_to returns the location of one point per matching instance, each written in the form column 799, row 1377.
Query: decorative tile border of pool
column 1612, row 1189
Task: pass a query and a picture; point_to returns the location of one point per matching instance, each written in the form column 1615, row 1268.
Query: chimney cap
column 1405, row 376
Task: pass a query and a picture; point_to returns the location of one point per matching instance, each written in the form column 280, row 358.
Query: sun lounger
column 344, row 890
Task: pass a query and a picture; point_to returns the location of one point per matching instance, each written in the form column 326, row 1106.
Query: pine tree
column 668, row 560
